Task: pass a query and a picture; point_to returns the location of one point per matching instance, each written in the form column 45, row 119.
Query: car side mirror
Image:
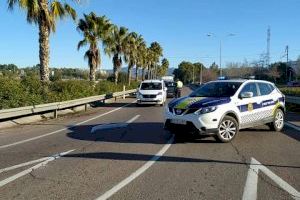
column 244, row 95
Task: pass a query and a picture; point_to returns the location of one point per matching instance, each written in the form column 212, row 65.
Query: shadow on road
column 152, row 133
column 147, row 157
column 292, row 133
column 145, row 132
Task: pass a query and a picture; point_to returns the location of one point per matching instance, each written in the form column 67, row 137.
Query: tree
column 45, row 14
column 131, row 53
column 94, row 29
column 115, row 46
column 273, row 72
column 141, row 56
column 163, row 69
column 156, row 52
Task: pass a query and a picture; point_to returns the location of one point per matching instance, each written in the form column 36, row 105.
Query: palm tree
column 45, row 14
column 94, row 29
column 130, row 52
column 115, row 46
column 156, row 53
column 141, row 56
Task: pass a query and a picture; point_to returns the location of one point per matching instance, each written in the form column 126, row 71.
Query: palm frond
column 70, row 11
column 57, row 10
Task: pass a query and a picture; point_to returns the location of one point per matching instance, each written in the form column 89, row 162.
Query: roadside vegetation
column 30, row 90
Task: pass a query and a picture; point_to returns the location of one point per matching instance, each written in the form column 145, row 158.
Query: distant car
column 293, row 84
column 152, row 92
column 221, row 108
column 171, row 88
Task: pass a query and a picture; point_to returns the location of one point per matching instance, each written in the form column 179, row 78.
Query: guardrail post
column 85, row 107
column 124, row 89
column 55, row 114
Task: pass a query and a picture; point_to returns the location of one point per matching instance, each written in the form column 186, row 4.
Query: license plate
column 178, row 121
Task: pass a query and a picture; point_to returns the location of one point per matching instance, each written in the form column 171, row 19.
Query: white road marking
column 114, row 125
column 63, row 129
column 23, row 164
column 133, row 119
column 292, row 126
column 27, row 171
column 137, row 173
column 250, row 189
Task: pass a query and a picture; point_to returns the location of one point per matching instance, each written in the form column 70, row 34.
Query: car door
column 268, row 101
column 249, row 107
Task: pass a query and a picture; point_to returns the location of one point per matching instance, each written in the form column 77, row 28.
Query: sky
column 180, row 26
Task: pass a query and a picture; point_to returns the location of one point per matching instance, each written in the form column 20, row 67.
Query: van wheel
column 278, row 121
column 227, row 130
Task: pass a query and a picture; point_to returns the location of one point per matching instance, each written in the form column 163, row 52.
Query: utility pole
column 193, row 73
column 220, row 57
column 268, row 46
column 287, row 62
column 200, row 79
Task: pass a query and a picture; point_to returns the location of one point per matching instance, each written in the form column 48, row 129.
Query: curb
column 291, row 125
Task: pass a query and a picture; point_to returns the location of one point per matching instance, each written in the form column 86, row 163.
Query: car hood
column 198, row 102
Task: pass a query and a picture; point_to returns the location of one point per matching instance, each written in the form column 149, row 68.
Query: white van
column 152, row 92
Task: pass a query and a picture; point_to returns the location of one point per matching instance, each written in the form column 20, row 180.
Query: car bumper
column 150, row 101
column 206, row 124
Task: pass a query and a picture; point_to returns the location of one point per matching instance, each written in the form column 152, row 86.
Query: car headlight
column 206, row 110
column 160, row 93
column 139, row 94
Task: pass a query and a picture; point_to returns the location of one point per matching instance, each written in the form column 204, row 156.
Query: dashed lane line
column 27, row 171
column 63, row 129
column 137, row 173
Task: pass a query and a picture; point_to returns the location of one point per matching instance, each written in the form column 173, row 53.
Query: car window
column 250, row 87
column 170, row 84
column 271, row 87
column 151, row 86
column 264, row 88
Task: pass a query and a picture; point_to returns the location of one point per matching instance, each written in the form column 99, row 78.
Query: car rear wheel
column 278, row 121
column 227, row 130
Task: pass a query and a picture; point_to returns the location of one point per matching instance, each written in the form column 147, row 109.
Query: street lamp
column 220, row 49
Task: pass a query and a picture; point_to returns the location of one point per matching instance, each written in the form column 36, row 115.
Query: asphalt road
column 134, row 158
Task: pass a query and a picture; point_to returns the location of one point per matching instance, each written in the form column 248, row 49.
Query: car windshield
column 217, row 89
column 170, row 84
column 151, row 86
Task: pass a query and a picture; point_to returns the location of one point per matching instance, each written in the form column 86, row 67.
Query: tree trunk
column 116, row 74
column 129, row 75
column 136, row 73
column 44, row 33
column 92, row 73
column 116, row 63
column 143, row 74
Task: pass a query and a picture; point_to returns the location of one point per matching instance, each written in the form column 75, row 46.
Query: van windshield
column 151, row 86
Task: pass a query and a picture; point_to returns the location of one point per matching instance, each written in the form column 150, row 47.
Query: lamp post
column 220, row 48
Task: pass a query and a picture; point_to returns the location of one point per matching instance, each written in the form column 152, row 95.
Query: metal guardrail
column 293, row 99
column 29, row 110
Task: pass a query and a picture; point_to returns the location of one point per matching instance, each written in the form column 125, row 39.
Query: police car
column 221, row 108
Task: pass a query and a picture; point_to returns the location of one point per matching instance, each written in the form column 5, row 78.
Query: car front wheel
column 227, row 130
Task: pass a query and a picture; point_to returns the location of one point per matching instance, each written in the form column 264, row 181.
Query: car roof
column 243, row 81
column 151, row 81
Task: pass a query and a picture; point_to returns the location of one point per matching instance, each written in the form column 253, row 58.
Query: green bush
column 30, row 91
column 292, row 91
column 11, row 93
column 68, row 90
